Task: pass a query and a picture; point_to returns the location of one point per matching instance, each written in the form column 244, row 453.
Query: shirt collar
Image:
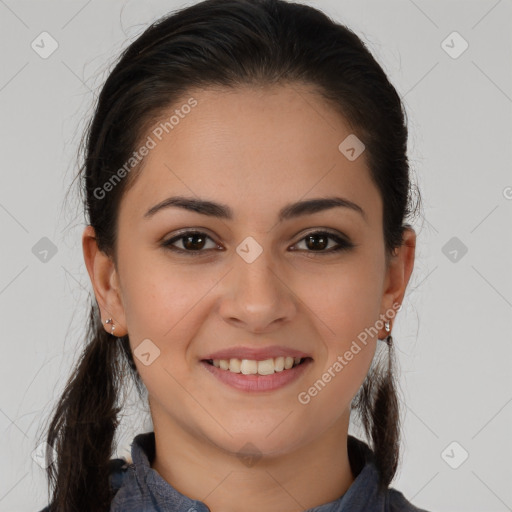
column 145, row 487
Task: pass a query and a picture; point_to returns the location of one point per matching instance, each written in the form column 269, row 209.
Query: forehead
column 250, row 146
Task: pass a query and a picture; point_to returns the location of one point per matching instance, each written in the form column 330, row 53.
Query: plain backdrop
column 450, row 62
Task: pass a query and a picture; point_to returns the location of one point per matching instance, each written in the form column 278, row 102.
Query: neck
column 312, row 475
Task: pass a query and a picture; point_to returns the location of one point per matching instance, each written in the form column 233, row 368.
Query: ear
column 105, row 282
column 399, row 270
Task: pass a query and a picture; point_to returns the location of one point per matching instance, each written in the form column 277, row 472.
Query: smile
column 253, row 367
column 256, row 376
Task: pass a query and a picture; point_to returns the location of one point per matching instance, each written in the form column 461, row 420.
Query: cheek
column 166, row 303
column 333, row 388
column 346, row 304
column 346, row 310
column 157, row 294
column 162, row 304
column 346, row 300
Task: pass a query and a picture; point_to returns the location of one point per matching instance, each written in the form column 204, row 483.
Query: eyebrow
column 223, row 211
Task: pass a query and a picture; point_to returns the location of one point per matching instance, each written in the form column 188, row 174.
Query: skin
column 256, row 150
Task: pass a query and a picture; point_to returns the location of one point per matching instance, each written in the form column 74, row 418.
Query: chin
column 258, row 442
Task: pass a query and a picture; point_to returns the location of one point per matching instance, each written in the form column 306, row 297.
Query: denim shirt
column 140, row 488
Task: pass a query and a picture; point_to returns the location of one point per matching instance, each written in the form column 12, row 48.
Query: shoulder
column 362, row 461
column 118, row 469
column 397, row 502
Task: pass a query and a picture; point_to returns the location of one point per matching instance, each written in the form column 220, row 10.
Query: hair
column 226, row 43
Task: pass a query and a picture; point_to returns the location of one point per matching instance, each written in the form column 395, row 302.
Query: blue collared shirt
column 142, row 489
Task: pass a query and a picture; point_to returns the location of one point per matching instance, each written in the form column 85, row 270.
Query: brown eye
column 318, row 241
column 194, row 242
column 191, row 242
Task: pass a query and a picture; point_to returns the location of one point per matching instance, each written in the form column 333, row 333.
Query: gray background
column 453, row 334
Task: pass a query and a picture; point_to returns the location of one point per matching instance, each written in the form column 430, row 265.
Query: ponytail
column 377, row 406
column 84, row 423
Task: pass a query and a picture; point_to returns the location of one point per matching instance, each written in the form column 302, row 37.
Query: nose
column 256, row 296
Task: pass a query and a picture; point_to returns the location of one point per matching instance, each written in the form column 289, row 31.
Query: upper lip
column 258, row 354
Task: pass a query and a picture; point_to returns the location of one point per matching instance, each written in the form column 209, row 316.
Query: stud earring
column 110, row 321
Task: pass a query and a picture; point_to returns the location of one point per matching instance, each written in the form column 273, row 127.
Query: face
column 249, row 283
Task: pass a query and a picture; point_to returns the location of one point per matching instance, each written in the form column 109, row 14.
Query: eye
column 191, row 241
column 318, row 241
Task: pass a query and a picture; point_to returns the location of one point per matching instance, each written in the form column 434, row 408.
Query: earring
column 110, row 321
column 386, row 326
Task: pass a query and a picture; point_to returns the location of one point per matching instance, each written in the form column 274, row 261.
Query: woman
column 246, row 189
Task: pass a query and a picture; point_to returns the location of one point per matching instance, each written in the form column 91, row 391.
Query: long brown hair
column 227, row 43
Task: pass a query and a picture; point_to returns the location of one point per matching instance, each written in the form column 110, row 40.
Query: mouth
column 254, row 376
column 263, row 367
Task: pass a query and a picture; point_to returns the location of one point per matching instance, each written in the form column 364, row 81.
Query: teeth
column 253, row 367
column 248, row 367
column 266, row 367
column 235, row 365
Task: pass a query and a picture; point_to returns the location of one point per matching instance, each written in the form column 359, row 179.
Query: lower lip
column 256, row 383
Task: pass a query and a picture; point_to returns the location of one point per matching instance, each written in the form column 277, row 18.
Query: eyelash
column 343, row 245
